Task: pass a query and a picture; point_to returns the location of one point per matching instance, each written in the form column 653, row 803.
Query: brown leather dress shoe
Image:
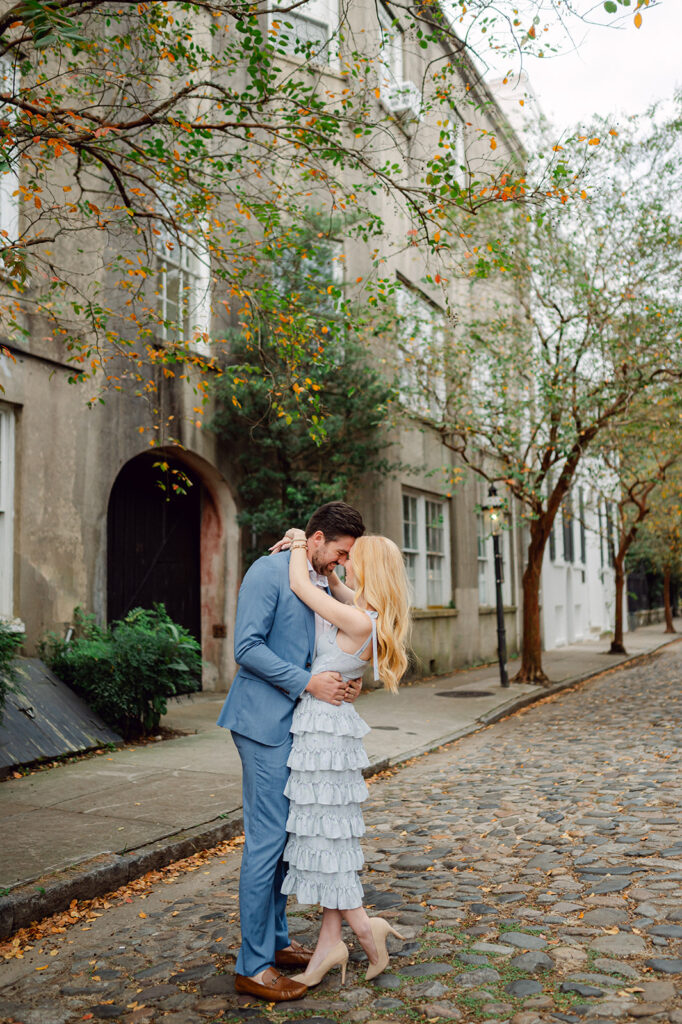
column 297, row 956
column 275, row 987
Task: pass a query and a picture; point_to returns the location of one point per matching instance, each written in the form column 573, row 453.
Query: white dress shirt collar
column 321, row 625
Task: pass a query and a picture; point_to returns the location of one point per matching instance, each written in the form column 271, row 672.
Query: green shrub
column 10, row 642
column 127, row 672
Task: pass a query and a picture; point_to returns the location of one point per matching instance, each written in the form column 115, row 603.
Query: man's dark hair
column 336, row 519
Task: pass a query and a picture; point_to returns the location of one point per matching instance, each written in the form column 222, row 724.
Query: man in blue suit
column 274, row 646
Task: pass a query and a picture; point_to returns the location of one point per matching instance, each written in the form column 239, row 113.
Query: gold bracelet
column 299, row 544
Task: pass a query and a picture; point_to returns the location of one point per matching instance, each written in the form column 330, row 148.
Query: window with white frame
column 486, row 562
column 317, row 272
column 600, row 526
column 484, row 566
column 410, row 538
column 6, row 510
column 426, row 549
column 582, row 525
column 454, row 141
column 183, row 293
column 421, row 339
column 315, row 268
column 567, row 529
column 611, row 532
column 605, row 516
column 9, row 181
column 390, row 49
column 306, row 31
column 435, row 551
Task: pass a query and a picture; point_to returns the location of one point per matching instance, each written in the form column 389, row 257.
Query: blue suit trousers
column 262, row 907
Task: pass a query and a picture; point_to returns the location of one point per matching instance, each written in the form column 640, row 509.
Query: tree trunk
column 669, row 628
column 531, row 670
column 617, row 646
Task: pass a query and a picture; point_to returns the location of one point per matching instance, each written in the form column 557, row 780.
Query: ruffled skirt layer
column 325, row 791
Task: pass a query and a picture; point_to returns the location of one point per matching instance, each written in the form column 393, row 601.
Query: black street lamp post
column 495, row 513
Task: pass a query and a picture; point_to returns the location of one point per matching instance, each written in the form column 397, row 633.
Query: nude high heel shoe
column 336, row 957
column 381, row 929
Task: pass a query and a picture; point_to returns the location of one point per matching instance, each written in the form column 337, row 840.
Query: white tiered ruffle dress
column 326, row 788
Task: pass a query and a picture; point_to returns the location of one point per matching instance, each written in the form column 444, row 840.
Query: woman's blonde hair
column 381, row 583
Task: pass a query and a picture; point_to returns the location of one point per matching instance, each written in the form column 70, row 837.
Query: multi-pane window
column 306, row 32
column 426, row 549
column 182, row 293
column 581, row 526
column 484, row 590
column 312, row 271
column 454, row 140
column 609, row 532
column 421, row 338
column 565, row 525
column 435, row 551
column 567, row 530
column 410, row 538
column 485, row 551
column 391, row 49
column 6, row 510
column 600, row 519
column 9, row 181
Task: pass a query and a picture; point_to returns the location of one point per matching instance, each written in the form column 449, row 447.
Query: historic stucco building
column 82, row 522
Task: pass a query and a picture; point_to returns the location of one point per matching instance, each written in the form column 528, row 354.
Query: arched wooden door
column 154, row 548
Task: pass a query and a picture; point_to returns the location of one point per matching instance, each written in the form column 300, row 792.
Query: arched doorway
column 154, row 541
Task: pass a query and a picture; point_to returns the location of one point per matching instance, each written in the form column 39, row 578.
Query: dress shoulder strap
column 373, row 638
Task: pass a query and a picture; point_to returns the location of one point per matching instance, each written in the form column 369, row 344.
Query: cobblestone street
column 535, row 868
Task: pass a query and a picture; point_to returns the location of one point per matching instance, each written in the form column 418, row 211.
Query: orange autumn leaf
column 638, row 20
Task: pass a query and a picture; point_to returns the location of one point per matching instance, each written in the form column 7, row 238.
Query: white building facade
column 578, row 581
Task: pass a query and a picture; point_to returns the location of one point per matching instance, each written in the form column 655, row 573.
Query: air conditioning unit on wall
column 404, row 101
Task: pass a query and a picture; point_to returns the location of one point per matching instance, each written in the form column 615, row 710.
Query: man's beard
column 318, row 565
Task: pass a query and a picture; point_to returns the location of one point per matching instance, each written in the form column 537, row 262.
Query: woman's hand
column 285, row 543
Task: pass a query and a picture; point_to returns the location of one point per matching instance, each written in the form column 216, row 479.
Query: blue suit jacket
column 274, row 643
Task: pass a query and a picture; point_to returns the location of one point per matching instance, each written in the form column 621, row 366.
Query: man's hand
column 327, row 686
column 353, row 688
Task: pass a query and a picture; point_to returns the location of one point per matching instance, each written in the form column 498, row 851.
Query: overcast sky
column 611, row 70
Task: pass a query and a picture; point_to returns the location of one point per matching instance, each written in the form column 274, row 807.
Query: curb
column 54, row 893
column 548, row 691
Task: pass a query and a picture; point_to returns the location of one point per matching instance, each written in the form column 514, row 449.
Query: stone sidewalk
column 85, row 828
column 532, row 867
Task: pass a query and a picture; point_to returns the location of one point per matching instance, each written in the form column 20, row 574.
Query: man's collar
column 317, row 578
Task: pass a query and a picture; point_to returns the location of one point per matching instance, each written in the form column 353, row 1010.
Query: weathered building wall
column 67, row 459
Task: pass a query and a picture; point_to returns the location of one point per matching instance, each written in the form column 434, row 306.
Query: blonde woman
column 369, row 619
